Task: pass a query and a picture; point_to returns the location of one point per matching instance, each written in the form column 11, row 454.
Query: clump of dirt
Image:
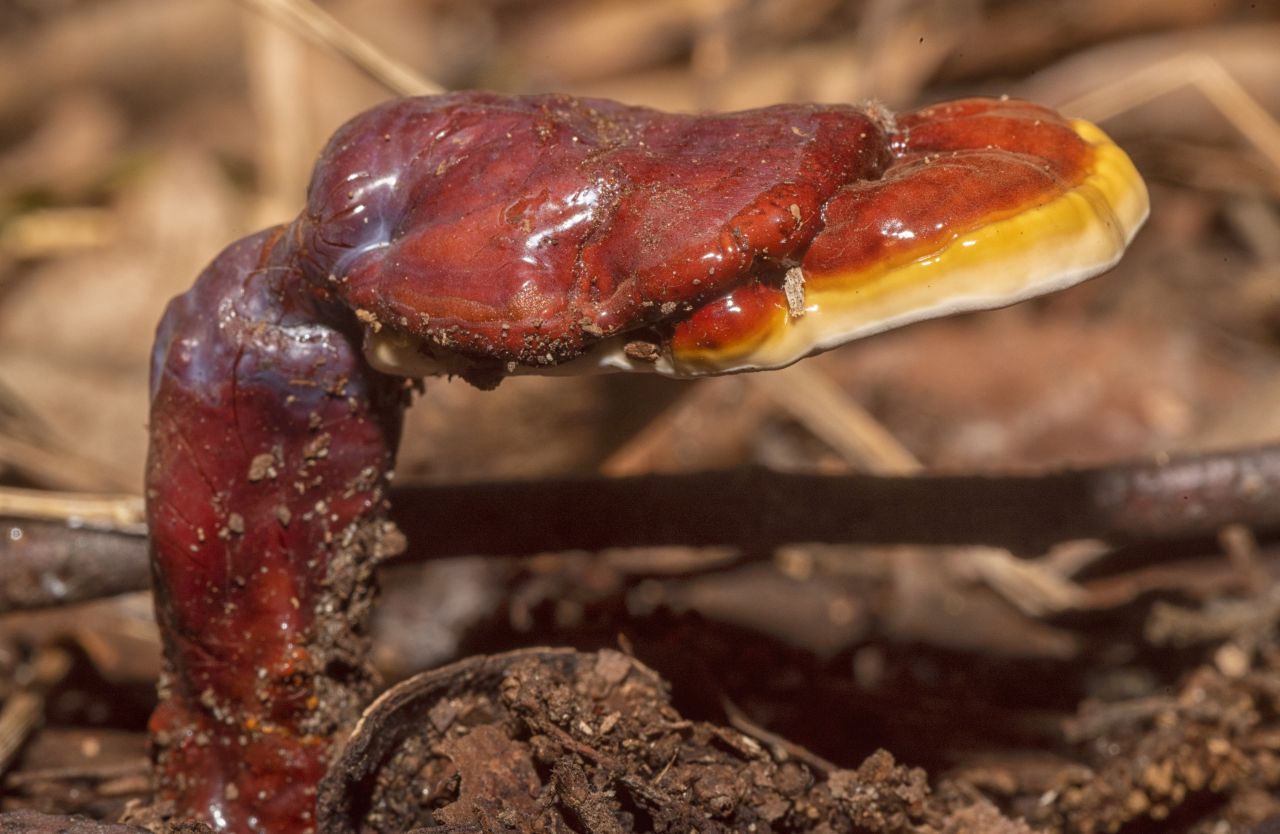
column 543, row 741
column 1212, row 741
column 340, row 644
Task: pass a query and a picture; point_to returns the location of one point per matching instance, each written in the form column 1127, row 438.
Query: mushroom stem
column 271, row 445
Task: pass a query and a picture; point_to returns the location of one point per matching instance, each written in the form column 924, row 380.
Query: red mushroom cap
column 986, row 203
column 526, row 229
column 521, row 233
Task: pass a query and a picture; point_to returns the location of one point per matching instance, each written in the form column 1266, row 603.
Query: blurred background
column 137, row 138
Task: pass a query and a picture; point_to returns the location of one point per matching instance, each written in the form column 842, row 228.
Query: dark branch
column 754, row 507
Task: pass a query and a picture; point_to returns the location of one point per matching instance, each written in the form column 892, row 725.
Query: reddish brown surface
column 509, row 229
column 956, row 167
column 517, row 228
column 270, row 444
column 736, row 319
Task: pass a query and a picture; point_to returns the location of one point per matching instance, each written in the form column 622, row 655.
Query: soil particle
column 641, row 351
column 262, row 466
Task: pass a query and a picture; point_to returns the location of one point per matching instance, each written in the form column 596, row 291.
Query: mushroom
column 483, row 236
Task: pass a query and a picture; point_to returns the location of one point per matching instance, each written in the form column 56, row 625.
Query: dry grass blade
column 817, row 403
column 782, row 748
column 123, row 513
column 1197, row 70
column 56, row 469
column 22, row 712
column 684, row 430
column 318, row 26
column 29, row 448
column 1035, row 587
column 49, row 233
column 277, row 69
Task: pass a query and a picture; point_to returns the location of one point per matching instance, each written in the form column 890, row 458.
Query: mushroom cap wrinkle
column 1014, row 241
column 546, row 234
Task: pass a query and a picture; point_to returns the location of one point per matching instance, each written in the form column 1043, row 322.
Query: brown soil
column 544, row 741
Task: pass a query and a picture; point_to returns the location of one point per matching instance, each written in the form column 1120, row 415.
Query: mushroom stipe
column 484, row 236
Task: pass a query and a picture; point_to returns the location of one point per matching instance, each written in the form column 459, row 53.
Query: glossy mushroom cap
column 476, row 233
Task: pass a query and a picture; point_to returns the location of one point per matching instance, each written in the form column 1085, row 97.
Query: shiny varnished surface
column 955, row 167
column 985, row 202
column 521, row 233
column 527, row 228
column 271, row 441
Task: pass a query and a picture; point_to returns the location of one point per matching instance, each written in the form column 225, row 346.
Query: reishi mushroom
column 483, row 235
